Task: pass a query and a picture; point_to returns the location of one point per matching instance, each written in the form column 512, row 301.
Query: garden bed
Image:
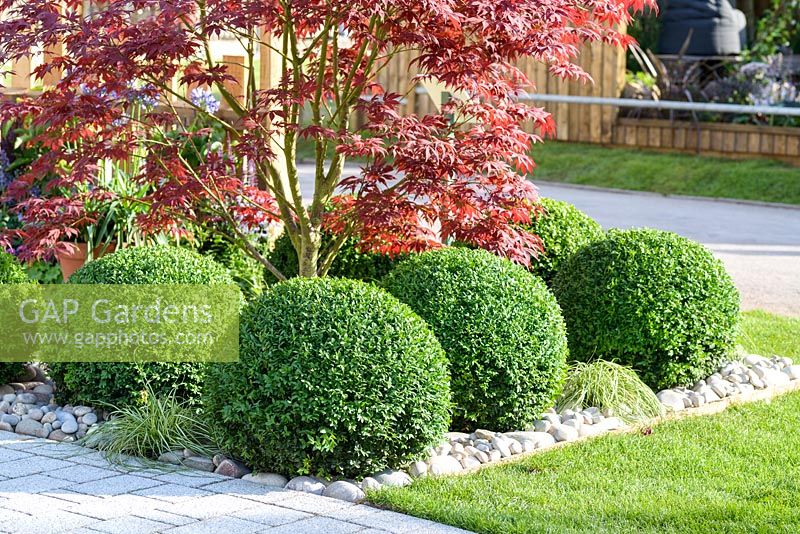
column 754, row 378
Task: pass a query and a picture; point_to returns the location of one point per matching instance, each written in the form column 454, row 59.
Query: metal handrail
column 662, row 104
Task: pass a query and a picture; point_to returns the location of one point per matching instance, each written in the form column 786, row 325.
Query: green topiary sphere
column 650, row 299
column 349, row 263
column 336, row 377
column 11, row 272
column 124, row 383
column 564, row 229
column 500, row 327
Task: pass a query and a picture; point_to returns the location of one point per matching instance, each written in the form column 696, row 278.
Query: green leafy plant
column 650, row 299
column 123, row 384
column 563, row 229
column 116, row 211
column 161, row 423
column 500, row 327
column 116, row 218
column 336, row 378
column 11, row 272
column 776, row 29
column 45, row 272
column 246, row 271
column 641, row 78
column 609, row 386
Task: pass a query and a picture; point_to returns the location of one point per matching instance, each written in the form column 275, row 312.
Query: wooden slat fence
column 575, row 122
column 592, row 124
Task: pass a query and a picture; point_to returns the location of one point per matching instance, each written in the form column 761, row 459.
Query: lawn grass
column 668, row 173
column 737, row 471
column 767, row 334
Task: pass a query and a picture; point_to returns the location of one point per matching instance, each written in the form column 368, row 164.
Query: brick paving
column 49, row 487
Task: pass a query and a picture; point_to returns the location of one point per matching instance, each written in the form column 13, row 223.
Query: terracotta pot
column 72, row 261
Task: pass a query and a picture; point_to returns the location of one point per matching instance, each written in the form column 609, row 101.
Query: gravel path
column 48, row 487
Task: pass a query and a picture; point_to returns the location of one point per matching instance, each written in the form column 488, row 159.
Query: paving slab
column 48, row 487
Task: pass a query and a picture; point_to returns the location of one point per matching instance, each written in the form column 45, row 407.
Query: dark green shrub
column 245, row 270
column 152, row 265
column 122, row 384
column 11, row 272
column 650, row 299
column 564, row 229
column 336, row 377
column 349, row 263
column 500, row 327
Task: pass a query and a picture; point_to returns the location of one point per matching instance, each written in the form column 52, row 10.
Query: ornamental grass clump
column 500, row 326
column 652, row 300
column 160, row 424
column 336, row 377
column 609, row 386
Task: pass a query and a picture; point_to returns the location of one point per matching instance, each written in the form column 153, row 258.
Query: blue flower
column 205, row 100
column 145, row 97
column 5, row 177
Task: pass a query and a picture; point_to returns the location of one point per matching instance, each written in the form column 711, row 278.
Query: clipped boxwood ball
column 650, row 299
column 501, row 328
column 349, row 262
column 564, row 229
column 122, row 384
column 11, row 272
column 159, row 264
column 336, row 378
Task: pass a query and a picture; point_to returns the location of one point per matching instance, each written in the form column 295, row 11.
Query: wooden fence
column 574, row 122
column 590, row 124
column 602, row 124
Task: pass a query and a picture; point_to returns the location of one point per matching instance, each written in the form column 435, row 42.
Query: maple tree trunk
column 308, row 255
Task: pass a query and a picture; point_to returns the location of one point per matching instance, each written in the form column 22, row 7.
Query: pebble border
column 32, row 412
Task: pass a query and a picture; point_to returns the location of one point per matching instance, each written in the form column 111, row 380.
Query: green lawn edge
column 761, row 180
column 737, row 471
column 667, row 173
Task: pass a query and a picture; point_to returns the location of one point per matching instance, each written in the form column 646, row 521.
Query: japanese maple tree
column 425, row 180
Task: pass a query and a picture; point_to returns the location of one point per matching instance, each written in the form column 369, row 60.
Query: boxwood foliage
column 564, row 229
column 336, row 378
column 11, row 272
column 500, row 326
column 650, row 299
column 123, row 384
column 246, row 271
column 349, row 263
